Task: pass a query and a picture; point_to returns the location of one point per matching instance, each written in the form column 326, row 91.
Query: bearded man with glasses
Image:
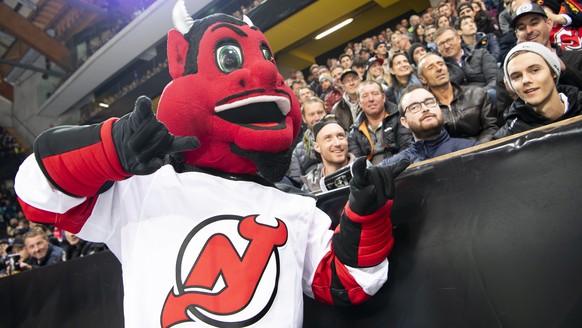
column 420, row 112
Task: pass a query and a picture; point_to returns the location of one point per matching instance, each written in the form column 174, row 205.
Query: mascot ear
column 177, row 52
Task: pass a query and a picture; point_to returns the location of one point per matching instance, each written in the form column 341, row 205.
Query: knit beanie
column 549, row 56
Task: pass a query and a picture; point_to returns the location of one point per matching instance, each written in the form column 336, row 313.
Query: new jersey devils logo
column 227, row 272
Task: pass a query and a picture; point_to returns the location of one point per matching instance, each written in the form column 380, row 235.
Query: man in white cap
column 532, row 71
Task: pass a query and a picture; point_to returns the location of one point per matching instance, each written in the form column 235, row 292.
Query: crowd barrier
column 486, row 237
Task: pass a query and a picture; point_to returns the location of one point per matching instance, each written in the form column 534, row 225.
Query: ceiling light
column 333, row 29
column 104, row 105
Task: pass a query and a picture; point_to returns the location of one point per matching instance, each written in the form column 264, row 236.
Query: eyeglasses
column 417, row 106
column 448, row 42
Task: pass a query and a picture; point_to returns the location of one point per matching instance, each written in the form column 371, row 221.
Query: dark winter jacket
column 303, row 158
column 395, row 136
column 470, row 114
column 486, row 24
column 425, row 149
column 343, row 113
column 490, row 43
column 55, row 254
column 572, row 76
column 521, row 116
column 480, row 67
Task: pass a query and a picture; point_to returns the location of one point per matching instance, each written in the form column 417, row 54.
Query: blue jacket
column 424, row 149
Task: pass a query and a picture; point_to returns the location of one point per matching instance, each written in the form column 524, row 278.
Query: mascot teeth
column 282, row 103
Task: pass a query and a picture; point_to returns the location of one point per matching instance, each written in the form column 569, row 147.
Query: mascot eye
column 267, row 53
column 229, row 58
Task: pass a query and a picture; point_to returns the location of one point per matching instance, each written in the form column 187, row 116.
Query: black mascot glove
column 372, row 187
column 142, row 142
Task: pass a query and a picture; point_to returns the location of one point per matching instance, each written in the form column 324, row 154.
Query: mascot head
column 226, row 90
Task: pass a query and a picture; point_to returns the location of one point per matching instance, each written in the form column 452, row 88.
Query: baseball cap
column 527, row 8
column 372, row 60
column 348, row 71
column 549, row 56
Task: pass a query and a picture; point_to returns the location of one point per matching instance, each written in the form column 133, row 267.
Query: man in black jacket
column 420, row 112
column 478, row 65
column 531, row 71
column 467, row 109
column 532, row 24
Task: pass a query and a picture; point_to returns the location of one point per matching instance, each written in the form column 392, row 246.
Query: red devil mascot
column 185, row 199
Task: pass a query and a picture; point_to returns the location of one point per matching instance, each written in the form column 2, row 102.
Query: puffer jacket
column 490, row 43
column 396, row 137
column 303, row 158
column 521, row 116
column 471, row 114
column 480, row 67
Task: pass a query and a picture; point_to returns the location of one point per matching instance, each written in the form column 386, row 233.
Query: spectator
column 394, row 39
column 314, row 82
column 41, row 252
column 484, row 22
column 532, row 71
column 443, row 21
column 567, row 18
column 375, row 71
column 15, row 259
column 75, row 247
column 478, row 40
column 345, row 61
column 331, row 148
column 505, row 18
column 420, row 112
column 303, row 158
column 426, row 18
column 429, row 34
column 467, row 109
column 479, row 66
column 381, row 50
column 335, row 94
column 444, row 9
column 416, row 52
column 401, row 76
column 377, row 133
column 347, row 109
column 359, row 66
column 304, row 94
column 403, row 42
column 418, row 34
column 532, row 24
column 326, row 83
column 413, row 21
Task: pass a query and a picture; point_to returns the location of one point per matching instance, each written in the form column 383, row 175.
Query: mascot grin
column 230, row 95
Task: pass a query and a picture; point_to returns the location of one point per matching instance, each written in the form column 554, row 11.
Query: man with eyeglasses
column 467, row 109
column 478, row 65
column 420, row 112
column 348, row 108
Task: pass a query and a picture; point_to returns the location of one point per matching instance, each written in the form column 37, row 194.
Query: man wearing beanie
column 416, row 51
column 532, row 24
column 532, row 71
column 331, row 148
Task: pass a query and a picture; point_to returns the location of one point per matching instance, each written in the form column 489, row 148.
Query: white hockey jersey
column 200, row 250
